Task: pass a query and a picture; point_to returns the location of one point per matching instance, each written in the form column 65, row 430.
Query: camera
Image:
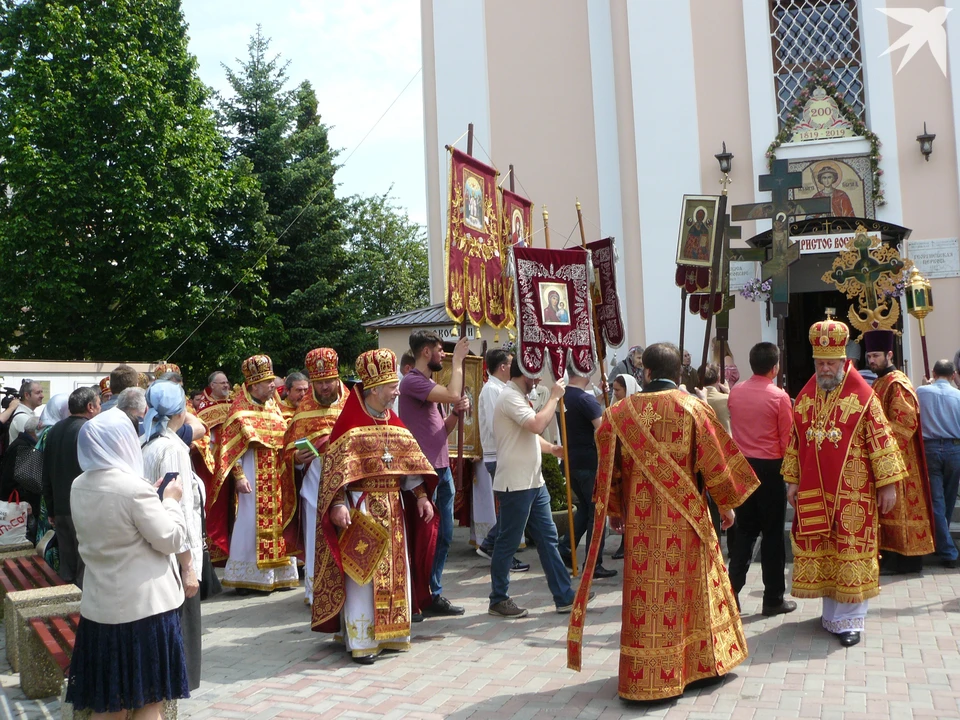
column 8, row 394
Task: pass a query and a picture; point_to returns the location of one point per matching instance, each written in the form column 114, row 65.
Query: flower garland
column 822, row 80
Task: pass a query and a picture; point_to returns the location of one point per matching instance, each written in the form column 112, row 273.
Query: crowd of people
column 138, row 491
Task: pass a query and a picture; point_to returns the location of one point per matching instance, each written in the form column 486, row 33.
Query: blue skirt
column 127, row 666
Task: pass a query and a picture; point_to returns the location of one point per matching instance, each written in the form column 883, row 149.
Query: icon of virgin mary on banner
column 474, row 287
column 553, row 311
column 606, row 301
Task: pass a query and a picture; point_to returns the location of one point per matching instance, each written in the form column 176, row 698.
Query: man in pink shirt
column 761, row 422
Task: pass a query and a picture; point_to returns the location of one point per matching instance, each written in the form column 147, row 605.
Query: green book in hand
column 304, row 444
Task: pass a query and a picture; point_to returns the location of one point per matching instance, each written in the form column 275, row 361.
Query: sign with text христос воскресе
column 830, row 243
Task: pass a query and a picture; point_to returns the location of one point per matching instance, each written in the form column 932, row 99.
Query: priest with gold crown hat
column 376, row 525
column 251, row 441
column 313, row 422
column 842, row 467
column 907, row 531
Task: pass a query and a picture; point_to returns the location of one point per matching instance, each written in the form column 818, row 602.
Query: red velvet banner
column 693, row 279
column 701, row 304
column 517, row 220
column 553, row 310
column 474, row 272
column 607, row 301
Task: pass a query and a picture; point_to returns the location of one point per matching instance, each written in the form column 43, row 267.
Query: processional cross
column 781, row 210
column 860, row 277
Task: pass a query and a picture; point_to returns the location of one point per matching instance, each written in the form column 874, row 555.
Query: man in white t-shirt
column 524, row 500
column 31, row 397
column 498, row 369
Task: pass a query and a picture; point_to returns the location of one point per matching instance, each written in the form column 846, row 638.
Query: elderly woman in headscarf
column 164, row 452
column 128, row 653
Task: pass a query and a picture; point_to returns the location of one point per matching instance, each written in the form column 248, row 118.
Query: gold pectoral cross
column 386, row 457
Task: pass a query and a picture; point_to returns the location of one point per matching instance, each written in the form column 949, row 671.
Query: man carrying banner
column 659, row 451
column 316, row 414
column 842, row 466
column 377, row 531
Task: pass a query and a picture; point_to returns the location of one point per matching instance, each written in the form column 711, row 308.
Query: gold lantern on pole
column 920, row 304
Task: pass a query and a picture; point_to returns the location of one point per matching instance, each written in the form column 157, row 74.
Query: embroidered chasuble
column 312, row 422
column 259, row 428
column 659, row 453
column 372, row 456
column 907, row 529
column 841, row 452
column 286, row 409
column 205, row 454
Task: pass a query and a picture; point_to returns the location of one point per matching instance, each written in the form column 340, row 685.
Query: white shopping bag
column 13, row 520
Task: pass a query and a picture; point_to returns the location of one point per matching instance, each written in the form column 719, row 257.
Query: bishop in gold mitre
column 842, row 467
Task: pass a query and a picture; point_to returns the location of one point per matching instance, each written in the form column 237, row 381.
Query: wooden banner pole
column 463, row 365
column 563, row 438
column 597, row 335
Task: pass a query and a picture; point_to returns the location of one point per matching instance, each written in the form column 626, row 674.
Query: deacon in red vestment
column 907, row 531
column 212, row 409
column 842, row 465
column 317, row 412
column 251, row 441
column 376, row 526
column 661, row 451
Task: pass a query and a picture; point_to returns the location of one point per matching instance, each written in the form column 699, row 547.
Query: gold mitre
column 829, row 339
column 322, row 364
column 257, row 369
column 377, row 367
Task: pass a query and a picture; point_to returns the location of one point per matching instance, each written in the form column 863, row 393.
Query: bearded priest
column 842, row 467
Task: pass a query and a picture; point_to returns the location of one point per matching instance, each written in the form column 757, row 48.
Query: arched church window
column 811, row 35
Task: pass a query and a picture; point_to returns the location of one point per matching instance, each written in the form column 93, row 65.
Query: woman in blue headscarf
column 165, row 452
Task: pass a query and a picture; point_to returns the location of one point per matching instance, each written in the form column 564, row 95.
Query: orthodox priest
column 313, row 422
column 212, row 409
column 251, row 441
column 842, row 466
column 660, row 452
column 907, row 531
column 376, row 528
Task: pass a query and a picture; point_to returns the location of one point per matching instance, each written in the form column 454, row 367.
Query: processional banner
column 553, row 311
column 606, row 301
column 517, row 220
column 474, row 270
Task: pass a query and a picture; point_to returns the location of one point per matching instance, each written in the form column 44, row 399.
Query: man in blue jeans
column 524, row 500
column 419, row 409
column 940, row 421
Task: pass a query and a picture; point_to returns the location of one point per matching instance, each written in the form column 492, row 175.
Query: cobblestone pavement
column 261, row 660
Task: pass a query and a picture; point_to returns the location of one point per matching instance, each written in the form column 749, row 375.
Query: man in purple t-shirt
column 419, row 408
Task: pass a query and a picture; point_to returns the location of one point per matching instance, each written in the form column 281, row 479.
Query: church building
column 624, row 106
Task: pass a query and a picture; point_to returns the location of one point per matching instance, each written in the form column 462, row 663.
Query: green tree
column 123, row 223
column 280, row 132
column 388, row 265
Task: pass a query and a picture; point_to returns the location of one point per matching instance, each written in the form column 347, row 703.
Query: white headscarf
column 633, row 387
column 109, row 442
column 56, row 409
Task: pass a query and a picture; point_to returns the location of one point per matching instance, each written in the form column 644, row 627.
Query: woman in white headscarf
column 164, row 452
column 128, row 653
column 56, row 409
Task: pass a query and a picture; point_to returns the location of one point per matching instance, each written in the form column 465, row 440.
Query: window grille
column 809, row 35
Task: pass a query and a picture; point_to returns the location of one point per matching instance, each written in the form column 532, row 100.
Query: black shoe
column 618, row 555
column 442, row 606
column 363, row 659
column 787, row 606
column 567, row 560
column 241, row 592
column 849, row 638
column 600, row 572
column 517, row 566
column 416, row 617
column 951, row 564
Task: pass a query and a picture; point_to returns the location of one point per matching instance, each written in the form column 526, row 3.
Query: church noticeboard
column 740, row 274
column 935, row 258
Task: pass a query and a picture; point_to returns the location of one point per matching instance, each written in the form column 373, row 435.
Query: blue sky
column 358, row 55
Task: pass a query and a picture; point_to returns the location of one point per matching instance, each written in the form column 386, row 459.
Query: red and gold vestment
column 907, row 529
column 841, row 452
column 355, row 461
column 259, row 428
column 659, row 452
column 205, row 454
